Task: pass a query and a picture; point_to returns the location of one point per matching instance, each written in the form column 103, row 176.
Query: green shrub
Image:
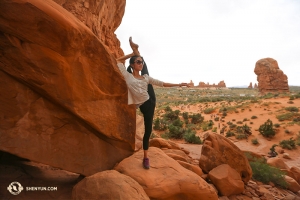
column 245, row 119
column 185, row 115
column 265, row 173
column 292, row 98
column 287, row 116
column 197, row 118
column 160, row 124
column 254, row 117
column 240, row 136
column 276, row 125
column 214, row 129
column 209, row 110
column 191, row 137
column 217, row 119
column 224, row 114
column 287, row 131
column 177, row 122
column 172, row 115
column 292, row 109
column 229, row 134
column 254, row 141
column 288, row 144
column 168, row 108
column 267, row 129
column 239, row 122
column 175, row 132
column 290, row 102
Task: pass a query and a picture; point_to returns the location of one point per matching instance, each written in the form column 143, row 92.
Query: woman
column 138, row 94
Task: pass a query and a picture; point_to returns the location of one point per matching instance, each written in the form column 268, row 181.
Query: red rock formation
column 102, row 17
column 250, row 86
column 191, row 84
column 270, row 78
column 59, row 103
column 255, row 86
column 166, row 179
column 218, row 150
column 221, row 84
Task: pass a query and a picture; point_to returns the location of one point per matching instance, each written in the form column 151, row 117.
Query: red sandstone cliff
column 63, row 101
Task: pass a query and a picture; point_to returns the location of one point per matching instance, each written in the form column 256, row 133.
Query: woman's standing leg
column 148, row 111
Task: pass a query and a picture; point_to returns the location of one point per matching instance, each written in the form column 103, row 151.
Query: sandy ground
column 267, row 109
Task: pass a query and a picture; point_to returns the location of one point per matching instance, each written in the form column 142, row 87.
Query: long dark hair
column 131, row 61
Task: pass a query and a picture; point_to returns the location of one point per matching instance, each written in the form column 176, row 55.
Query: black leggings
column 147, row 109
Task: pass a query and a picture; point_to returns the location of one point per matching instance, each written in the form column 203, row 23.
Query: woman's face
column 138, row 64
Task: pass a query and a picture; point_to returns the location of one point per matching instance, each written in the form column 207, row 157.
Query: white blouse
column 137, row 88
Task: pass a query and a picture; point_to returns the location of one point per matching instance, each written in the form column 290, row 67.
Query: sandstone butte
column 63, row 101
column 270, row 78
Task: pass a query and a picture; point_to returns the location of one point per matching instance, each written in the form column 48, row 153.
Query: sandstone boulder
column 59, row 103
column 162, row 143
column 218, row 150
column 108, row 185
column 292, row 184
column 270, row 78
column 296, row 173
column 227, row 180
column 278, row 162
column 178, row 155
column 194, row 168
column 166, row 178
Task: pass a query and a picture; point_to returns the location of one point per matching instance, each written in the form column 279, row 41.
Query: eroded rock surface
column 108, row 184
column 63, row 101
column 219, row 150
column 166, row 178
column 270, row 78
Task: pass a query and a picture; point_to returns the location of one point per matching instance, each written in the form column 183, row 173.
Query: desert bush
column 217, row 119
column 287, row 116
column 172, row 115
column 160, row 124
column 245, row 119
column 288, row 144
column 254, row 117
column 177, row 122
column 185, row 115
column 207, row 125
column 197, row 118
column 290, row 102
column 292, row 98
column 265, row 173
column 214, row 129
column 229, row 134
column 233, row 120
column 240, row 136
column 276, row 125
column 224, row 114
column 267, row 129
column 175, row 131
column 209, row 110
column 287, row 131
column 254, row 141
column 168, row 108
column 239, row 122
column 191, row 137
column 251, row 122
column 292, row 109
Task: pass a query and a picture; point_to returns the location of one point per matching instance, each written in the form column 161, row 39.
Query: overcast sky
column 213, row 40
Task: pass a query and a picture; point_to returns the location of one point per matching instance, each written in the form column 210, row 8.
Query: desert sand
column 264, row 110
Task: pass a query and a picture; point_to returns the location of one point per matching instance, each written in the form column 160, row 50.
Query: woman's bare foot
column 134, row 47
